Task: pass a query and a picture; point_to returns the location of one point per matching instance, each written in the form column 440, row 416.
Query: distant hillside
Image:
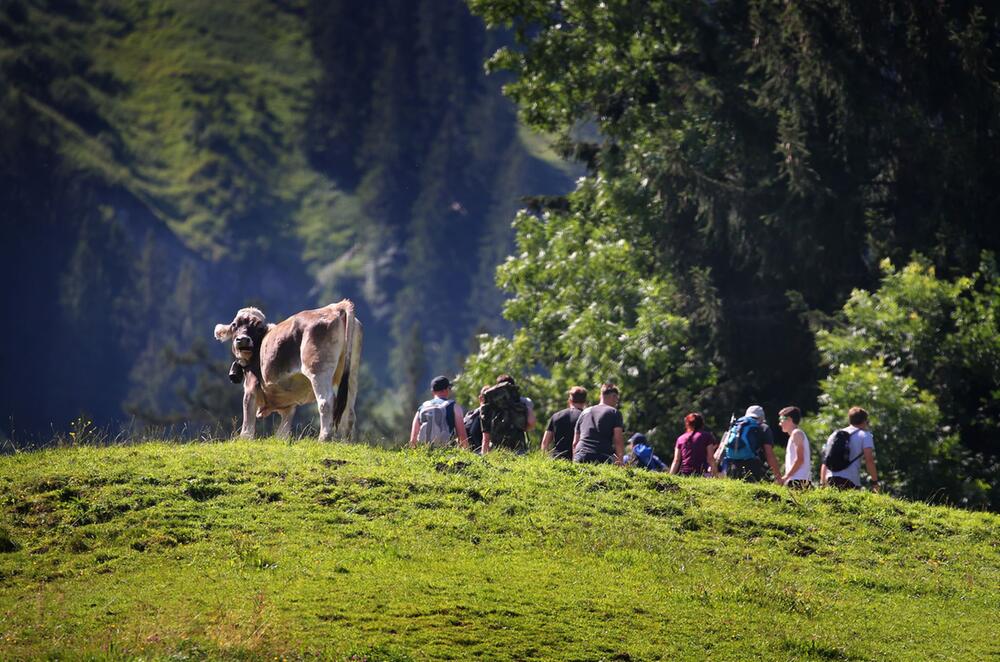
column 163, row 164
column 254, row 550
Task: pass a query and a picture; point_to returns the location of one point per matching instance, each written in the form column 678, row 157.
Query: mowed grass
column 271, row 549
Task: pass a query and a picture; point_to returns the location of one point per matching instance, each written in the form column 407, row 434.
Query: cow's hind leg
column 322, row 360
column 346, row 426
column 285, row 429
column 322, row 384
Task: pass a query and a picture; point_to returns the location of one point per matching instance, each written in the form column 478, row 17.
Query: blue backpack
column 642, row 455
column 743, row 439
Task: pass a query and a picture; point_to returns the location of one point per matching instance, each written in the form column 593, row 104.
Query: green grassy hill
column 273, row 550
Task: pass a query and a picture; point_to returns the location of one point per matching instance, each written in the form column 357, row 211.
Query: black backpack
column 837, row 451
column 504, row 416
column 474, row 429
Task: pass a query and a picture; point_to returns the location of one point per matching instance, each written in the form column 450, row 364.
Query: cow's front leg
column 285, row 429
column 322, row 384
column 249, row 414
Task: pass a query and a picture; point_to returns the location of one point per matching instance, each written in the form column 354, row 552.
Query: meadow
column 300, row 550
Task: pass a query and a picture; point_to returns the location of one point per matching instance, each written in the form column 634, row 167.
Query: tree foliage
column 916, row 453
column 783, row 147
column 590, row 307
column 782, row 150
column 922, row 354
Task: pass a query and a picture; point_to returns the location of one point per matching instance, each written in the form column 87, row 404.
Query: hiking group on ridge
column 596, row 434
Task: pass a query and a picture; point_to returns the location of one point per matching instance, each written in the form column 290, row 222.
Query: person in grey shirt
column 600, row 431
column 862, row 448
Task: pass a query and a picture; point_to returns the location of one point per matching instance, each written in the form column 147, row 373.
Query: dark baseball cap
column 638, row 438
column 440, row 383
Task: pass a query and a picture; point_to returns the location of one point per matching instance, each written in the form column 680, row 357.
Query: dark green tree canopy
column 762, row 158
column 785, row 146
column 758, row 123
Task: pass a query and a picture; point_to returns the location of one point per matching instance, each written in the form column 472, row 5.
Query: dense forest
column 164, row 164
column 786, row 203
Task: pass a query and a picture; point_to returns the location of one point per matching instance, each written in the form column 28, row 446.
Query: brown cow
column 311, row 356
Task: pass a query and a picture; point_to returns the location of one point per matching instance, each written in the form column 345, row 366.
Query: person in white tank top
column 798, row 460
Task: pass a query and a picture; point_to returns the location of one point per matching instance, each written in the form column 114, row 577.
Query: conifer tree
column 784, row 148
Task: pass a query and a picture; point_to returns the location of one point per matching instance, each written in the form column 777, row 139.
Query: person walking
column 694, row 451
column 438, row 421
column 559, row 432
column 474, row 424
column 507, row 417
column 748, row 437
column 842, row 457
column 798, row 463
column 600, row 431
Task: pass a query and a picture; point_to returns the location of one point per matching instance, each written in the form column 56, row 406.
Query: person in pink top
column 694, row 453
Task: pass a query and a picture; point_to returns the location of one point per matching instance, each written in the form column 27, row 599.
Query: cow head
column 246, row 331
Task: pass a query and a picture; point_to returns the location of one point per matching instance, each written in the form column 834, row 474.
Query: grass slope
column 263, row 549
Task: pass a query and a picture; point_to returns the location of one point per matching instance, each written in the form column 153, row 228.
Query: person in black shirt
column 474, row 424
column 558, row 437
column 600, row 431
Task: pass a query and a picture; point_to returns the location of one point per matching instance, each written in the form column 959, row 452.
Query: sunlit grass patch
column 268, row 548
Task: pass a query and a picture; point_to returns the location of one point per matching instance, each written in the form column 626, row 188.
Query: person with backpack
column 439, row 420
column 474, row 424
column 694, row 451
column 600, row 431
column 507, row 416
column 798, row 464
column 747, row 438
column 559, row 433
column 843, row 452
column 640, row 454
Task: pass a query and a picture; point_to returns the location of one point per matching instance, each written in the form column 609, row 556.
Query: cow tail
column 345, row 378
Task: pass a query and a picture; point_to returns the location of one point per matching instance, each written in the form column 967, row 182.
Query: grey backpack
column 437, row 422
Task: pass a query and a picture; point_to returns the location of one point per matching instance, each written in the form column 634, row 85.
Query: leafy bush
column 922, row 355
column 902, row 323
column 916, row 455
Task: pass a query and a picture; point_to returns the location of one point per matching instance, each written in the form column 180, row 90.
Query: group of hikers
column 596, row 434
